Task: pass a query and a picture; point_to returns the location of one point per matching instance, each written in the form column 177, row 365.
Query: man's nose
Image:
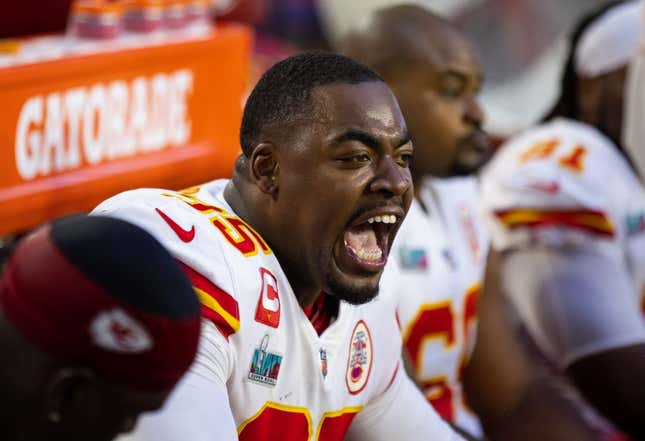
column 391, row 178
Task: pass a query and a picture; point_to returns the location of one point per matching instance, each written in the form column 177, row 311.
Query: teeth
column 386, row 219
column 371, row 255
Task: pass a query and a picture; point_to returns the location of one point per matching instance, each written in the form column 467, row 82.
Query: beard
column 471, row 154
column 344, row 290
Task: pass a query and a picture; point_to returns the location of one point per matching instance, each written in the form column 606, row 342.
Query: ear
column 264, row 167
column 69, row 392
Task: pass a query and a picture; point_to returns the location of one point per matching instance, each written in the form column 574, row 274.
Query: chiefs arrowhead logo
column 116, row 331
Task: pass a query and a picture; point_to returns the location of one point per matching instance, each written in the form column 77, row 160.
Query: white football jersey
column 435, row 269
column 565, row 184
column 283, row 380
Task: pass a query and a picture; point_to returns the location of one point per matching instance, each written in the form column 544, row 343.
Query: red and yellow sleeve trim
column 591, row 221
column 217, row 305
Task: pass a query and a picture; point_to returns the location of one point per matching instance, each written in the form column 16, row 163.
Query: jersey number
column 437, row 321
column 572, row 161
column 281, row 422
column 235, row 230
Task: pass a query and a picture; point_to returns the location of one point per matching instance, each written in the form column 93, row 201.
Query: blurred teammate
column 97, row 324
column 567, row 211
column 440, row 252
column 286, row 257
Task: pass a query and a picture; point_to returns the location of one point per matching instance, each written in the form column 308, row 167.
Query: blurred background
column 522, row 42
column 189, row 65
column 522, row 45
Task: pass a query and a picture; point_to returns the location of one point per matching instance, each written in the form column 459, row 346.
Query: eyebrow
column 406, row 138
column 367, row 138
column 463, row 76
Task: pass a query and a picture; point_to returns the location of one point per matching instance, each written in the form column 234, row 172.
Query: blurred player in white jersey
column 567, row 211
column 286, row 258
column 440, row 252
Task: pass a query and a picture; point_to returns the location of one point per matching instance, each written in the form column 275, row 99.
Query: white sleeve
column 198, row 409
column 574, row 302
column 402, row 414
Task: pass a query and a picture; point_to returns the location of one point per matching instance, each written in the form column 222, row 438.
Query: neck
column 307, row 297
column 235, row 199
column 305, row 291
column 240, row 197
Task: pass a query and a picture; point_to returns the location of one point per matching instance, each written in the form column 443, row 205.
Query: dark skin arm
column 514, row 399
column 614, row 382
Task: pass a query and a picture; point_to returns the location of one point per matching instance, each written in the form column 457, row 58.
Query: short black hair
column 283, row 93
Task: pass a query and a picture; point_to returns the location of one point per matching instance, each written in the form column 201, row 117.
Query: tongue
column 362, row 239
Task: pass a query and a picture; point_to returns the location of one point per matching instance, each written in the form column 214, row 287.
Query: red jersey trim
column 595, row 222
column 217, row 305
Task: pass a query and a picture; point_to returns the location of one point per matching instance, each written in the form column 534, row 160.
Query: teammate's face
column 99, row 411
column 344, row 188
column 121, row 408
column 68, row 404
column 437, row 92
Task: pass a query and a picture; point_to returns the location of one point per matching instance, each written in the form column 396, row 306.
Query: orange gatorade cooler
column 81, row 127
column 96, row 19
column 144, row 16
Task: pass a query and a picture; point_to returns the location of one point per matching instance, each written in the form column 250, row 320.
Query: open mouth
column 366, row 242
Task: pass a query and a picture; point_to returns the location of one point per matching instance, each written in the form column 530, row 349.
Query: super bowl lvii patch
column 265, row 365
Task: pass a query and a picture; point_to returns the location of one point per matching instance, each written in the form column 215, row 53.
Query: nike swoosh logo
column 184, row 235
